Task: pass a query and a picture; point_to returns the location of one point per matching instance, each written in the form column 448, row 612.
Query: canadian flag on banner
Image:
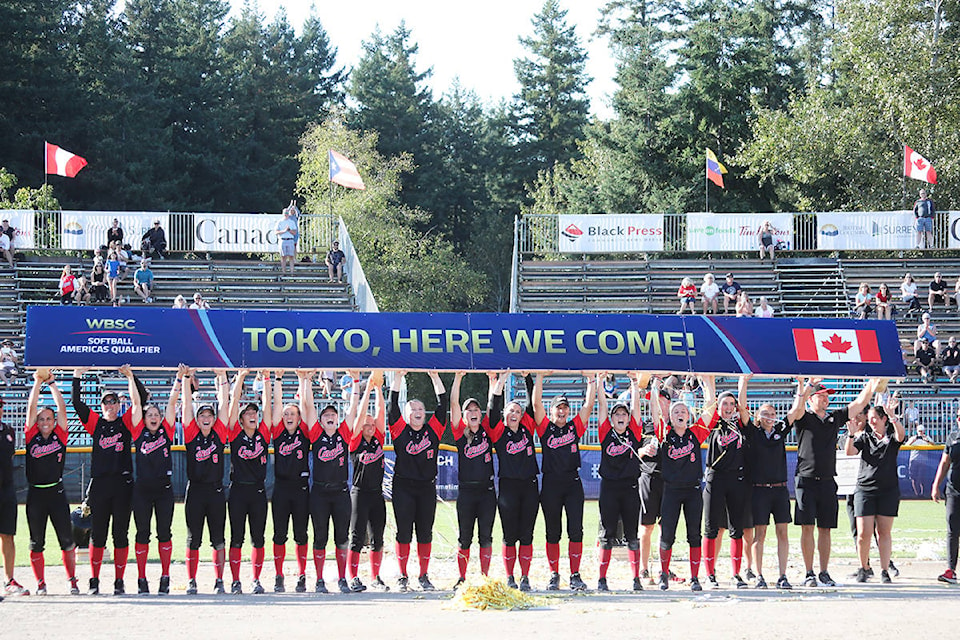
column 61, row 162
column 917, row 167
column 836, row 345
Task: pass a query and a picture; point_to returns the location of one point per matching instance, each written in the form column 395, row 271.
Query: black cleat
column 459, row 582
column 143, row 587
column 218, row 587
column 74, row 587
column 664, row 581
column 278, row 585
column 739, row 582
column 576, row 583
column 301, row 584
column 695, row 584
column 425, row 584
column 826, row 580
column 893, row 570
column 257, row 587
column 192, row 588
column 42, row 589
column 343, row 586
column 784, row 584
column 861, row 575
column 118, row 589
column 524, row 583
column 602, row 585
column 637, row 584
column 810, row 580
column 761, row 583
column 94, row 589
column 512, row 582
column 378, row 585
column 750, row 575
column 712, row 581
column 885, row 577
column 356, row 586
column 236, row 588
column 164, row 587
column 320, row 587
column 403, row 584
column 554, row 584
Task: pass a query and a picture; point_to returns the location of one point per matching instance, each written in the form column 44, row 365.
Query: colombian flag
column 715, row 170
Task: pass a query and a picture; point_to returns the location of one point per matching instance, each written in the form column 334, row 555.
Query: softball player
column 949, row 470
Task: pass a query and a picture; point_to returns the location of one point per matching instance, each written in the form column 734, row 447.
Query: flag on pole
column 344, row 172
column 715, row 170
column 917, row 167
column 61, row 162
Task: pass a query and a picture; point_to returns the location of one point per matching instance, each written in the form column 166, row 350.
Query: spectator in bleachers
column 731, row 291
column 765, row 240
column 925, row 361
column 763, row 309
column 908, row 293
column 927, row 331
column 911, row 415
column 113, row 275
column 918, row 470
column 951, row 359
column 154, row 242
column 923, row 212
column 6, row 248
column 8, row 362
column 81, row 291
column 67, row 284
column 123, row 253
column 115, row 233
column 287, row 231
column 884, row 302
column 98, row 281
column 334, row 261
column 199, row 302
column 938, row 291
column 610, row 386
column 956, row 294
column 143, row 282
column 180, row 302
column 687, row 293
column 744, row 306
column 709, row 293
column 326, row 383
column 863, row 301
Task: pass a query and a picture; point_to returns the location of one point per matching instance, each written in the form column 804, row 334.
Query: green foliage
column 39, row 199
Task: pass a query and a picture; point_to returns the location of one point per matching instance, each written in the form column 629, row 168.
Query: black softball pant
column 247, row 503
column 291, row 501
column 518, row 502
column 49, row 504
column 476, row 505
column 205, row 502
column 953, row 526
column 619, row 499
column 369, row 512
column 110, row 499
column 561, row 494
column 690, row 499
column 724, row 494
column 147, row 501
column 327, row 505
column 414, row 503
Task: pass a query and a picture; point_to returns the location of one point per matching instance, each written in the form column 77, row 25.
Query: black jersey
column 649, row 465
column 817, row 443
column 560, row 446
column 45, row 456
column 368, row 463
column 291, row 454
column 248, row 454
column 952, row 449
column 475, row 457
column 726, row 446
column 205, row 453
column 878, row 460
column 111, row 454
column 154, row 462
column 6, row 457
column 516, row 454
column 618, row 453
column 766, row 453
column 330, row 464
column 416, row 449
column 681, row 457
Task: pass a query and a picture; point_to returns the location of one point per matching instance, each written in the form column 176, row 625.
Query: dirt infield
column 914, row 604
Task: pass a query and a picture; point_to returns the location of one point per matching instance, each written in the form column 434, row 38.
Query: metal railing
column 366, row 303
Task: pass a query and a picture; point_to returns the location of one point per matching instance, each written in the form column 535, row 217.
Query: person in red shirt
column 687, row 293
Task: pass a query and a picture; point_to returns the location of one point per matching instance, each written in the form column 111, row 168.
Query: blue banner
column 157, row 338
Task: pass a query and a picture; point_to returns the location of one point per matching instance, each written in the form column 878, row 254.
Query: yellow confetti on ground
column 487, row 593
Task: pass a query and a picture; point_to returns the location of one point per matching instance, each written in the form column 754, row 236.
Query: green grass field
column 919, row 530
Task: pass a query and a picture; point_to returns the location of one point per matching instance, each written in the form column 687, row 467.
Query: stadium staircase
column 811, row 287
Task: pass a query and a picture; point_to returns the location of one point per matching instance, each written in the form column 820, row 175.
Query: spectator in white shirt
column 908, row 293
column 763, row 309
column 6, row 248
column 709, row 291
column 199, row 302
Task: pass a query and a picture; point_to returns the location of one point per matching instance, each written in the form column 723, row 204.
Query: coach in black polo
column 817, row 433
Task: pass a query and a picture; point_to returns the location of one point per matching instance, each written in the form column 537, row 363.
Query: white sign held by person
column 87, row 230
column 602, row 233
column 866, row 230
column 240, row 232
column 737, row 231
column 22, row 221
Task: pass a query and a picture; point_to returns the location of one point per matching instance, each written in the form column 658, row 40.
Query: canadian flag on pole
column 917, row 167
column 61, row 162
column 836, row 345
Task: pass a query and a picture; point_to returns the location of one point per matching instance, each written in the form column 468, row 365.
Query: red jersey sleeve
column 496, row 432
column 264, row 430
column 527, row 421
column 345, row 432
column 135, row 429
column 458, row 430
column 397, row 428
column 91, row 424
column 167, row 428
column 701, row 432
column 354, row 441
column 604, row 429
column 277, row 430
column 190, row 431
column 313, row 431
column 61, row 433
column 30, row 431
column 437, row 426
column 579, row 426
column 636, row 429
column 226, row 434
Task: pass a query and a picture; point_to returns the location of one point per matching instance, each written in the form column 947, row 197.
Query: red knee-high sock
column 403, row 553
column 302, row 559
column 509, row 559
column 193, row 561
column 236, row 557
column 140, row 552
column 634, row 555
column 423, row 553
column 736, row 554
column 219, row 560
column 36, row 561
column 553, row 556
column 353, row 563
column 526, row 558
column 256, row 557
column 709, row 557
column 376, row 557
column 694, row 562
column 604, row 561
column 665, row 555
column 165, row 550
column 70, row 563
column 341, row 563
column 279, row 555
column 96, row 559
column 485, row 554
column 319, row 555
column 120, row 557
column 575, row 551
column 463, row 558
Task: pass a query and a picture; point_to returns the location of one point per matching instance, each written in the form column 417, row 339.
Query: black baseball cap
column 109, row 394
column 619, row 405
column 329, row 407
column 559, row 400
column 206, row 407
column 819, row 388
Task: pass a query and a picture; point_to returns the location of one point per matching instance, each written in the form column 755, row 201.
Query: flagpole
column 44, row 163
column 706, row 189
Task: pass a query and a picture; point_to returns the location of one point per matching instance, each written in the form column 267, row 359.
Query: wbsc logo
column 572, row 232
column 111, row 324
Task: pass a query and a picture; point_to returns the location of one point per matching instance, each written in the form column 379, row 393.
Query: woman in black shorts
column 949, row 470
column 877, row 495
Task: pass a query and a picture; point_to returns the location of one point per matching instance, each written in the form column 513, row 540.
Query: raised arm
column 742, row 398
column 638, row 382
column 83, row 411
column 891, row 409
column 798, row 408
column 40, row 376
column 277, row 414
column 709, row 385
column 308, row 407
column 186, row 408
column 394, row 413
column 223, row 395
column 357, row 425
column 859, row 403
column 380, row 419
column 352, row 408
column 136, row 402
column 655, row 416
column 59, row 402
column 849, row 447
column 266, row 398
column 443, row 401
column 235, row 395
column 602, row 399
column 183, row 378
column 536, row 398
column 455, row 412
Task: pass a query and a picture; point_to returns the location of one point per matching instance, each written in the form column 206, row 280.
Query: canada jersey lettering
column 248, row 456
column 205, row 453
column 416, row 452
column 618, row 457
column 475, row 458
column 330, row 452
column 680, row 459
column 726, row 451
column 515, row 452
column 368, row 463
column 560, row 446
column 45, row 456
column 111, row 445
column 154, row 462
column 291, row 454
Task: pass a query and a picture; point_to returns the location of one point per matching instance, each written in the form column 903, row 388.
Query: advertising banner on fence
column 23, row 221
column 87, row 230
column 627, row 233
column 954, row 241
column 866, row 230
column 152, row 338
column 736, row 231
column 240, row 232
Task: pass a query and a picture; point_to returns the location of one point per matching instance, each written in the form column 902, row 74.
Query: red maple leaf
column 919, row 163
column 836, row 344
